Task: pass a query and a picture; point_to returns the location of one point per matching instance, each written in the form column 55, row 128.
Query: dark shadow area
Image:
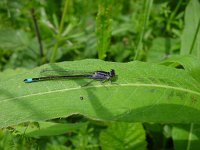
column 98, row 107
column 161, row 113
column 156, row 140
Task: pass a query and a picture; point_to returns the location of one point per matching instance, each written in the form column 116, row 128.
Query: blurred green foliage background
column 151, row 27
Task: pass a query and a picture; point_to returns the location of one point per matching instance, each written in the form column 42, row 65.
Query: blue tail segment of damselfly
column 67, row 74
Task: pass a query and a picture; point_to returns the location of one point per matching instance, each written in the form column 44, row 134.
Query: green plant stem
column 172, row 15
column 38, row 35
column 148, row 4
column 190, row 136
column 55, row 48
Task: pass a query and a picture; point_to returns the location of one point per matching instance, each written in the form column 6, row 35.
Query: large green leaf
column 142, row 92
column 121, row 135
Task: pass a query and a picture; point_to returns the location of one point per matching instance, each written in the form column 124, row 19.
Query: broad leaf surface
column 141, row 92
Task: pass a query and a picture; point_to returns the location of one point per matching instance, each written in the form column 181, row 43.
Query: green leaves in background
column 190, row 43
column 17, row 45
column 186, row 137
column 60, row 31
column 162, row 48
column 13, row 40
column 122, row 135
column 141, row 92
column 48, row 128
column 140, row 46
column 189, row 63
column 104, row 26
column 77, row 39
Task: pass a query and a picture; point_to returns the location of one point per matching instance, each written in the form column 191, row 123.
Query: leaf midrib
column 100, row 86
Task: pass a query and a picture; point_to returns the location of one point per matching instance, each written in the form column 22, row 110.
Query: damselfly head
column 112, row 73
